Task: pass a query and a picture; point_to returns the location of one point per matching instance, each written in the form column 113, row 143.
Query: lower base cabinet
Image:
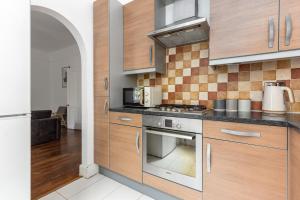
column 126, row 151
column 101, row 143
column 235, row 171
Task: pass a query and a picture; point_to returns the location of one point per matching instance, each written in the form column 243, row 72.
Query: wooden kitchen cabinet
column 126, row 151
column 240, row 28
column 138, row 22
column 289, row 21
column 235, row 171
column 294, row 164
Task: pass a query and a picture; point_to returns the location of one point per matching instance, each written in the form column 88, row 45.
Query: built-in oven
column 172, row 149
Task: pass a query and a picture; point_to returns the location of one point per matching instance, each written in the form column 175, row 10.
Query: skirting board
column 155, row 194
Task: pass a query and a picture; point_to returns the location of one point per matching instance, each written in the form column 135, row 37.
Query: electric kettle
column 273, row 99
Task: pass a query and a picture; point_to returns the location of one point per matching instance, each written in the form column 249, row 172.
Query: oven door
column 173, row 155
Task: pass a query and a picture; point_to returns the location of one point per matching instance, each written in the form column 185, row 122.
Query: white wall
column 40, row 80
column 77, row 16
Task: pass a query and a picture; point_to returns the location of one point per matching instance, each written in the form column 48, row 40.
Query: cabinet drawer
column 270, row 136
column 128, row 119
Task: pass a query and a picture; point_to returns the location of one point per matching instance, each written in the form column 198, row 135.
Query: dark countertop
column 259, row 118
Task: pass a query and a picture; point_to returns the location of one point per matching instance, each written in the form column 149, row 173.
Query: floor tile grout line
column 112, row 191
column 83, row 188
column 60, row 195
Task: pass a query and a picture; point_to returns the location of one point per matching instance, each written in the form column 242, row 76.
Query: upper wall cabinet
column 248, row 31
column 289, row 25
column 141, row 54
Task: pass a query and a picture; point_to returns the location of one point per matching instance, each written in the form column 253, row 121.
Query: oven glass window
column 173, row 153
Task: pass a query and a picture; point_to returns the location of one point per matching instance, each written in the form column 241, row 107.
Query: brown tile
column 186, row 102
column 269, row 75
column 204, row 45
column 171, row 96
column 232, row 86
column 256, row 66
column 244, row 67
column 287, row 83
column 195, row 71
column 212, row 78
column 244, row 76
column 165, row 101
column 172, row 58
column 179, row 49
column 222, row 69
column 195, row 54
column 194, row 79
column 171, row 65
column 256, row 86
column 212, row 95
column 203, row 102
column 171, row 81
column 187, row 64
column 178, row 88
column 152, row 82
column 171, row 101
column 244, row 95
column 210, row 104
column 282, row 64
column 146, row 76
column 179, row 57
column 179, row 72
column 296, row 73
column 222, row 95
column 233, row 77
column 204, row 62
column 186, row 88
column 295, row 84
column 141, row 82
column 295, row 107
column 256, row 105
column 158, row 81
column 158, row 75
column 164, row 88
column 222, row 86
column 186, row 80
column 194, row 95
column 178, row 95
column 203, row 87
column 203, row 70
column 187, row 48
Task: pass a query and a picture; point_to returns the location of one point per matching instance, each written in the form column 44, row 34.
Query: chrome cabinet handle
column 151, row 54
column 181, row 136
column 106, row 83
column 241, row 133
column 125, row 119
column 106, row 107
column 137, row 144
column 288, row 30
column 271, row 32
column 208, row 158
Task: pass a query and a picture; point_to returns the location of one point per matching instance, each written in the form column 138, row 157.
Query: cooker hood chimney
column 186, row 27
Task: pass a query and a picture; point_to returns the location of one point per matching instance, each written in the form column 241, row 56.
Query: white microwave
column 152, row 96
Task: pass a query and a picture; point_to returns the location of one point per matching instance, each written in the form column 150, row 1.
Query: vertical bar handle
column 208, row 158
column 271, row 33
column 106, row 106
column 137, row 143
column 151, row 55
column 106, row 83
column 288, row 30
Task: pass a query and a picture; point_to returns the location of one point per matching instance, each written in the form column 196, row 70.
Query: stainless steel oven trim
column 192, row 182
column 170, row 134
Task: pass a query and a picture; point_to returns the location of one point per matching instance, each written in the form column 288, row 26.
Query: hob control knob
column 159, row 123
column 178, row 126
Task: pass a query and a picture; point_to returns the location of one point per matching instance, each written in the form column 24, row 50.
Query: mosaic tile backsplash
column 190, row 80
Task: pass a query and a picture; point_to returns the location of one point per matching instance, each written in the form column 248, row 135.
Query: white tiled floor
column 97, row 187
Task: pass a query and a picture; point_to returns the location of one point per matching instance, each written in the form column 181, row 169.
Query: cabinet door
column 243, row 172
column 243, row 27
column 101, row 48
column 294, row 165
column 102, row 131
column 138, row 22
column 289, row 24
column 126, row 151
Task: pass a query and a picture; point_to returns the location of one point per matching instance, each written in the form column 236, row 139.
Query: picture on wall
column 64, row 74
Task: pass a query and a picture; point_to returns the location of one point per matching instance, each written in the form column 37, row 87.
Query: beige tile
column 212, row 78
column 178, row 102
column 203, row 95
column 244, row 76
column 194, row 87
column 256, row 76
column 269, row 75
column 172, row 51
column 195, row 102
column 203, row 78
column 233, row 68
column 269, row 65
column 196, row 47
column 222, row 78
column 186, row 95
column 165, row 81
column 244, row 95
column 165, row 95
column 283, row 74
column 244, row 86
column 167, row 59
column 203, row 87
column 212, row 87
column 256, row 86
column 256, row 95
column 204, row 53
column 171, row 73
column 178, row 80
column 295, row 63
column 204, row 45
column 297, row 95
column 232, row 95
column 146, row 82
column 232, row 86
column 171, row 88
column 195, row 63
column 194, row 95
column 187, row 56
column 152, row 75
column 179, row 65
column 187, row 72
column 295, row 84
column 222, row 95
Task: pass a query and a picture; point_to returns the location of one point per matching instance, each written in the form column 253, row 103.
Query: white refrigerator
column 15, row 100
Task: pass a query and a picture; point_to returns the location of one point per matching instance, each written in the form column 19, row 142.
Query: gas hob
column 185, row 109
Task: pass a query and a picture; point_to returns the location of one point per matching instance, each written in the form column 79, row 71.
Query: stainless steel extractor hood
column 187, row 27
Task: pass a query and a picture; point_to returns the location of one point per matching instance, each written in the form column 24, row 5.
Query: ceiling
column 48, row 34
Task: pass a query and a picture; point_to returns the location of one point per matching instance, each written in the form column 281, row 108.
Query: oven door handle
column 181, row 136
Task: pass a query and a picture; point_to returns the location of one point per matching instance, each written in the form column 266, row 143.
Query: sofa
column 44, row 127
